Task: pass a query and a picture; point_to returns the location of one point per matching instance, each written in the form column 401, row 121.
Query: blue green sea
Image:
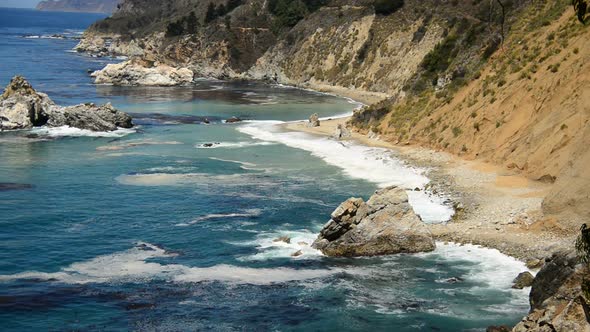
column 170, row 226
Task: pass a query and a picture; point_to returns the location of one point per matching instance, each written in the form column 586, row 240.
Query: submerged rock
column 314, row 120
column 384, row 225
column 285, row 239
column 233, row 119
column 136, row 72
column 15, row 186
column 21, row 107
column 297, row 253
column 525, row 279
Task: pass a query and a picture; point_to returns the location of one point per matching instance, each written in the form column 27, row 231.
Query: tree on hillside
column 386, row 7
column 581, row 8
column 191, row 23
column 211, row 13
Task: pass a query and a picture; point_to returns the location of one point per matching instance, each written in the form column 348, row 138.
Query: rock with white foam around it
column 21, row 107
column 384, row 225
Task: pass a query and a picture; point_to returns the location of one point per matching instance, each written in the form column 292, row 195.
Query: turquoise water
column 150, row 230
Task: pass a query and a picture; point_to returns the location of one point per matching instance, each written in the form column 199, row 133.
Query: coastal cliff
column 85, row 6
column 503, row 82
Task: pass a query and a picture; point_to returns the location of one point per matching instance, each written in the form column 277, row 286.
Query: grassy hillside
column 527, row 107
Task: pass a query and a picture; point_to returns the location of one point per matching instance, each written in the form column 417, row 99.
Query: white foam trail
column 132, row 266
column 376, row 165
column 269, row 248
column 243, row 163
column 196, row 179
column 66, row 131
column 487, row 266
column 246, row 214
column 231, row 145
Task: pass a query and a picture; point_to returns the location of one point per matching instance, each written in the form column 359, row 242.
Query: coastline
column 496, row 208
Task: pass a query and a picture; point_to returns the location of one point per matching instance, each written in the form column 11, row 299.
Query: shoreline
column 495, row 208
column 498, row 209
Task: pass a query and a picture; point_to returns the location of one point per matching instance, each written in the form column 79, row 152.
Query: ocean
column 170, row 226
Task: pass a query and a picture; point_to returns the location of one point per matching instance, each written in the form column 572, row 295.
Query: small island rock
column 21, row 107
column 384, row 225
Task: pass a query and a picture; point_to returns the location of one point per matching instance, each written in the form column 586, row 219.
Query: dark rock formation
column 557, row 302
column 233, row 119
column 524, row 279
column 385, row 224
column 21, row 107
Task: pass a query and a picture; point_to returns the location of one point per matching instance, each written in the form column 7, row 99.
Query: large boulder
column 138, row 72
column 314, row 121
column 21, row 107
column 384, row 225
column 91, row 117
column 557, row 301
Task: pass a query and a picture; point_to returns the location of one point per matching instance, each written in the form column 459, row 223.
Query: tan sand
column 497, row 207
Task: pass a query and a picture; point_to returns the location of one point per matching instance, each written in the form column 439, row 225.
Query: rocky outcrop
column 385, row 224
column 523, row 280
column 21, row 107
column 342, row 132
column 557, row 302
column 135, row 72
column 314, row 121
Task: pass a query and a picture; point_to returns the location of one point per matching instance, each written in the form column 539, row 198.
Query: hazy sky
column 18, row 3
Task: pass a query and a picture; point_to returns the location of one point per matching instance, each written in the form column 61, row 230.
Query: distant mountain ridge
column 86, row 6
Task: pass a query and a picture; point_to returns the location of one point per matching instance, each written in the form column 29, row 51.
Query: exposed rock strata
column 21, row 107
column 385, row 224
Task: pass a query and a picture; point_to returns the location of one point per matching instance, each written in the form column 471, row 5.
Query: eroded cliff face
column 340, row 44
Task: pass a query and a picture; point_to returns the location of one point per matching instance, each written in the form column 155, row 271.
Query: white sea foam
column 487, row 266
column 133, row 266
column 66, row 131
column 231, row 145
column 268, row 248
column 196, row 179
column 243, row 163
column 376, row 165
column 243, row 214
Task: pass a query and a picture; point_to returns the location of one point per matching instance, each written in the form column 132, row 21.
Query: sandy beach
column 495, row 207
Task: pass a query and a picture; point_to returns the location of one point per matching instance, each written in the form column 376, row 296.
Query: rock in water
column 135, row 72
column 233, row 119
column 285, row 239
column 21, row 107
column 314, row 120
column 557, row 300
column 525, row 279
column 384, row 225
column 342, row 132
